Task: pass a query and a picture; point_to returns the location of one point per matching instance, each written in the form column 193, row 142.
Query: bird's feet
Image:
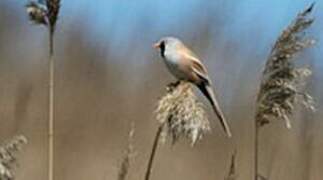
column 173, row 85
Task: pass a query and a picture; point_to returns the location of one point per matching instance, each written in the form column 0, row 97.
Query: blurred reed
column 129, row 153
column 232, row 173
column 8, row 156
column 46, row 13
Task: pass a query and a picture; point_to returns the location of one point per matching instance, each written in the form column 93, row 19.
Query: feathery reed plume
column 129, row 153
column 37, row 13
column 8, row 159
column 180, row 114
column 232, row 174
column 282, row 81
column 46, row 13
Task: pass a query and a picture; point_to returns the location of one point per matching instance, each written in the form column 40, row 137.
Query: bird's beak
column 156, row 45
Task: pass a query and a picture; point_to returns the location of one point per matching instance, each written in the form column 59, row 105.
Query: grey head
column 167, row 43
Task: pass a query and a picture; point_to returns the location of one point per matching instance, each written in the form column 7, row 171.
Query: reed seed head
column 8, row 153
column 37, row 13
column 282, row 81
column 181, row 114
column 53, row 7
column 44, row 13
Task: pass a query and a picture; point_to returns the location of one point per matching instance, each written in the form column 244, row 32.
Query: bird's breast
column 175, row 67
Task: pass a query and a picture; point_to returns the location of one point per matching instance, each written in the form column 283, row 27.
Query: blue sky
column 113, row 13
column 241, row 20
column 242, row 17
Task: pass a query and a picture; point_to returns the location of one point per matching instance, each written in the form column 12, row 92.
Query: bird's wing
column 200, row 71
column 195, row 64
column 198, row 68
column 205, row 85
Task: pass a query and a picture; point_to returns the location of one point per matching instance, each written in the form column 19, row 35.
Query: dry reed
column 46, row 13
column 282, row 82
column 129, row 153
column 8, row 156
column 179, row 114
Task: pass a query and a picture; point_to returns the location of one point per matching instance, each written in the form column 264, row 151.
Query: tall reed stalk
column 46, row 13
column 282, row 81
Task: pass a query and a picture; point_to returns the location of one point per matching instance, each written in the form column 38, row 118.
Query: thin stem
column 51, row 41
column 232, row 170
column 51, row 66
column 153, row 152
column 256, row 144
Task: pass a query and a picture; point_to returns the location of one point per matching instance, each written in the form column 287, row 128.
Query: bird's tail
column 208, row 92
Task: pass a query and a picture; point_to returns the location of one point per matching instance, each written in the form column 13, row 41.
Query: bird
column 186, row 66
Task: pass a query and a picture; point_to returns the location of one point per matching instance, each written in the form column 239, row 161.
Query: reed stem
column 51, row 66
column 153, row 152
column 256, row 146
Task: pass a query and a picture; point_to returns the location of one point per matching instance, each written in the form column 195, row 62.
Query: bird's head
column 167, row 44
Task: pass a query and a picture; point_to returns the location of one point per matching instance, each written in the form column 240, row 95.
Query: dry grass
column 282, row 81
column 129, row 153
column 46, row 13
column 181, row 114
column 8, row 156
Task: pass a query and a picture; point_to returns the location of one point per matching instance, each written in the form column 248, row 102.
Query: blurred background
column 108, row 75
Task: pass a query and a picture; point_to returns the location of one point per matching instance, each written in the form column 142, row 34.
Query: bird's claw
column 173, row 85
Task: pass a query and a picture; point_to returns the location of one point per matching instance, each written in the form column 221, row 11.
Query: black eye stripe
column 162, row 48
